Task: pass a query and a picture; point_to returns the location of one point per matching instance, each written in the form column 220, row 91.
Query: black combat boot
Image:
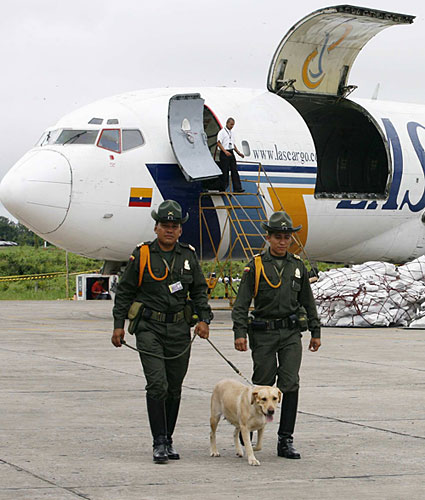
column 288, row 415
column 172, row 409
column 158, row 424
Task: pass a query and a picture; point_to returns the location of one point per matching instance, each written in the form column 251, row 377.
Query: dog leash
column 166, row 358
column 229, row 362
column 234, row 368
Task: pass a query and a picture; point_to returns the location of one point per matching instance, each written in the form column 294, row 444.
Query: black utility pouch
column 190, row 315
column 256, row 324
column 302, row 319
column 293, row 321
column 134, row 314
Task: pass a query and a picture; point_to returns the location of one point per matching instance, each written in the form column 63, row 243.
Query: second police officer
column 283, row 307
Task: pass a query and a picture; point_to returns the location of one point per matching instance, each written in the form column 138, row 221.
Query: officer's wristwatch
column 207, row 321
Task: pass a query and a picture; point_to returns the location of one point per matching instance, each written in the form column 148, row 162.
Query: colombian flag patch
column 140, row 197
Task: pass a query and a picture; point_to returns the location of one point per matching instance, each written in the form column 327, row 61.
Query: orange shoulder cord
column 145, row 257
column 259, row 269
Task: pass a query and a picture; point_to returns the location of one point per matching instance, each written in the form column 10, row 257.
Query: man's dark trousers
column 228, row 164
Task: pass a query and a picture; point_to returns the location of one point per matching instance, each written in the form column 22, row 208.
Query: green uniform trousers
column 164, row 377
column 276, row 354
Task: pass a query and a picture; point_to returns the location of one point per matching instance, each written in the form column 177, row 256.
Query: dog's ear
column 280, row 395
column 254, row 396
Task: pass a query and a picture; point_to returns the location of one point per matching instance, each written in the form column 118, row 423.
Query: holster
column 190, row 315
column 134, row 315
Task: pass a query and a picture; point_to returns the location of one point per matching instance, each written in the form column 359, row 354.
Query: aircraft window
column 48, row 137
column 245, row 148
column 131, row 139
column 185, row 125
column 112, row 121
column 96, row 121
column 110, row 139
column 77, row 137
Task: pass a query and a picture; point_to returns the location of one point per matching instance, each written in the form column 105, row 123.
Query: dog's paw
column 257, row 448
column 239, row 453
column 253, row 461
column 214, row 454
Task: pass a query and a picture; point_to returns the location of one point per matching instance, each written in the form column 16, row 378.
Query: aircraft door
column 316, row 55
column 188, row 139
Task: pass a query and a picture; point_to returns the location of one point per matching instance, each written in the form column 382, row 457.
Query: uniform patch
column 297, row 256
column 132, row 257
column 192, row 248
column 297, row 273
column 246, row 269
column 186, row 265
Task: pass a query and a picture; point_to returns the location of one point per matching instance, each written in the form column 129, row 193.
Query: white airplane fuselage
column 76, row 196
column 351, row 172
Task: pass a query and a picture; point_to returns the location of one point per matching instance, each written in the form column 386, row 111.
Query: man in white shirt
column 226, row 143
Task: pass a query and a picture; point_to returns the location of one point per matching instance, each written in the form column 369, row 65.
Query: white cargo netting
column 372, row 294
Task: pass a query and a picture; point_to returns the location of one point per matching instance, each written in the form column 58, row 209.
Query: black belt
column 274, row 324
column 164, row 317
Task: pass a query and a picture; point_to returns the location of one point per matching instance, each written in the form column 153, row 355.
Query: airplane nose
column 37, row 190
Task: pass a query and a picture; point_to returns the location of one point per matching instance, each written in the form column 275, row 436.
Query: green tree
column 14, row 231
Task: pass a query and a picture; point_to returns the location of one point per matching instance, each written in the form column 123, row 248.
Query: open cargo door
column 188, row 139
column 316, row 55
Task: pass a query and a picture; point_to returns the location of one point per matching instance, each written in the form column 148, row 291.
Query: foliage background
column 31, row 257
column 27, row 260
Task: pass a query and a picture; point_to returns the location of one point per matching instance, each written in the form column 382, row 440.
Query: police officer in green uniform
column 160, row 276
column 283, row 307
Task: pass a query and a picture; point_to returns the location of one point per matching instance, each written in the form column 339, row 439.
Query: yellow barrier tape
column 43, row 276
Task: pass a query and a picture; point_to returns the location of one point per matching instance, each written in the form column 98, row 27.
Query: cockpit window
column 68, row 136
column 131, row 139
column 48, row 137
column 110, row 139
column 112, row 121
column 96, row 121
column 77, row 137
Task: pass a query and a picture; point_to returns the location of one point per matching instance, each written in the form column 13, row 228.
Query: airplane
column 350, row 171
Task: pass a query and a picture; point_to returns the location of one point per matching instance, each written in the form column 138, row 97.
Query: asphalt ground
column 73, row 420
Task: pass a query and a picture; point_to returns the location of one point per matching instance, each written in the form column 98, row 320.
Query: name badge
column 175, row 287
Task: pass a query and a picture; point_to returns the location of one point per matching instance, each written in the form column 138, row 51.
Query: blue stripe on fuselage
column 280, row 179
column 172, row 185
column 300, row 169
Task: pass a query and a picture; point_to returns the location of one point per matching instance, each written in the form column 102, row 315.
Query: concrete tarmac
column 73, row 420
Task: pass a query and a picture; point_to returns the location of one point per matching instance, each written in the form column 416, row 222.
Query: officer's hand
column 202, row 329
column 117, row 336
column 241, row 344
column 314, row 345
column 241, row 155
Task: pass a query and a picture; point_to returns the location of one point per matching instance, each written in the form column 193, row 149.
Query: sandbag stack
column 372, row 294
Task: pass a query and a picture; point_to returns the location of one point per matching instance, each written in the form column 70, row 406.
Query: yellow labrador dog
column 247, row 408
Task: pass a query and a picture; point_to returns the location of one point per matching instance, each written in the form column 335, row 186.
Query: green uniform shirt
column 275, row 303
column 183, row 267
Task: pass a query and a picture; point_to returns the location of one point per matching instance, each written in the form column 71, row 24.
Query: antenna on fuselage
column 376, row 92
